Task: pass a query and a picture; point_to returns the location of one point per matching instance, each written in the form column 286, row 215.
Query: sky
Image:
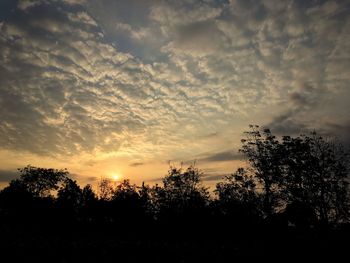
column 122, row 89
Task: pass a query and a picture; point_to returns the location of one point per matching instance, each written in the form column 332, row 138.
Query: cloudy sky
column 108, row 87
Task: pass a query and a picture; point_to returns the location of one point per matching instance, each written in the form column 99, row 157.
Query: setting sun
column 116, row 177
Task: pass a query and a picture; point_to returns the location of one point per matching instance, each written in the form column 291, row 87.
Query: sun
column 116, row 176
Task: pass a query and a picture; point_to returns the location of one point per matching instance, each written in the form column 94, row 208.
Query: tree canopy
column 292, row 194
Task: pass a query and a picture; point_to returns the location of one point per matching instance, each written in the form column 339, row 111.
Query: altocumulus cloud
column 153, row 84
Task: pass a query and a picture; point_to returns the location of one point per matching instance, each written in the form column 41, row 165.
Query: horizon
column 123, row 89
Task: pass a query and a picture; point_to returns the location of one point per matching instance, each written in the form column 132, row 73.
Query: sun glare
column 116, row 177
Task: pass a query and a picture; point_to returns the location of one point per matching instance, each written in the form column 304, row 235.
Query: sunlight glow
column 116, row 177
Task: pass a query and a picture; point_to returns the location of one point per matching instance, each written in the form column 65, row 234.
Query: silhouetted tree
column 31, row 195
column 16, row 195
column 156, row 196
column 148, row 199
column 88, row 195
column 305, row 174
column 70, row 196
column 126, row 201
column 237, row 195
column 89, row 203
column 182, row 192
column 264, row 155
column 39, row 182
column 125, row 190
column 302, row 180
column 239, row 187
column 105, row 189
column 316, row 173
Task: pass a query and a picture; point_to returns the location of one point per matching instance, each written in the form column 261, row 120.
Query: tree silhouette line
column 292, row 195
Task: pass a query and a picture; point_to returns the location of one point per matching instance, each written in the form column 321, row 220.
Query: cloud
column 301, row 100
column 183, row 12
column 222, row 156
column 26, row 4
column 8, row 175
column 215, row 178
column 75, row 2
column 52, row 107
column 136, row 164
column 150, row 79
column 198, row 38
column 135, row 34
column 342, row 130
column 286, row 125
column 83, row 179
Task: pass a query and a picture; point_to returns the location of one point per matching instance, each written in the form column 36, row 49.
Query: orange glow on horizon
column 116, row 177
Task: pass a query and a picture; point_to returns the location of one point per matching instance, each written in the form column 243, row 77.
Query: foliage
column 239, row 187
column 39, row 182
column 308, row 172
column 88, row 195
column 302, row 180
column 183, row 190
column 264, row 155
column 292, row 196
column 316, row 173
column 70, row 195
column 125, row 191
column 105, row 189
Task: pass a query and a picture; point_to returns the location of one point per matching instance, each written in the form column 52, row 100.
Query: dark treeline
column 291, row 199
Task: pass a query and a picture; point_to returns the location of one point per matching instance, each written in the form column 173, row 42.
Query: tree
column 125, row 190
column 238, row 189
column 70, row 196
column 238, row 202
column 88, row 195
column 316, row 173
column 148, row 199
column 127, row 203
column 89, row 203
column 304, row 174
column 15, row 196
column 105, row 189
column 31, row 196
column 263, row 153
column 154, row 199
column 297, row 162
column 182, row 191
column 39, row 182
